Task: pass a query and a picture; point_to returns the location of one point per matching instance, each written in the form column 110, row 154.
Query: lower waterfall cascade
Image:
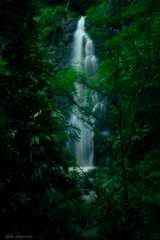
column 84, row 59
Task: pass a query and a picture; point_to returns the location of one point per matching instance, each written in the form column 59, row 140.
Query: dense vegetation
column 35, row 193
column 38, row 195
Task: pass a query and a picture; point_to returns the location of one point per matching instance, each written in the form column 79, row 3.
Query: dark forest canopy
column 78, row 6
column 38, row 195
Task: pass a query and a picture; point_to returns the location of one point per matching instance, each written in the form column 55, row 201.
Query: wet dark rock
column 60, row 53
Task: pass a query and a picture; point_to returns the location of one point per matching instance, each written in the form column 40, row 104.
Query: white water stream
column 84, row 59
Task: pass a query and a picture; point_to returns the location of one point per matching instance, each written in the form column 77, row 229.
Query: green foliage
column 34, row 186
column 129, row 41
column 52, row 20
column 128, row 85
column 138, row 219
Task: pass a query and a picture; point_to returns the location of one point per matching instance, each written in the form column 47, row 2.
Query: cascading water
column 84, row 59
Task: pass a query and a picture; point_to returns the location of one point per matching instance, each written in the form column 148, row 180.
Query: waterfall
column 84, row 59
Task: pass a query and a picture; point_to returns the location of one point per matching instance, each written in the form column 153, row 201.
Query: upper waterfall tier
column 84, row 58
column 81, row 23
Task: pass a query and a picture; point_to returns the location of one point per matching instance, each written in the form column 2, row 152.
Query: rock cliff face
column 61, row 50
